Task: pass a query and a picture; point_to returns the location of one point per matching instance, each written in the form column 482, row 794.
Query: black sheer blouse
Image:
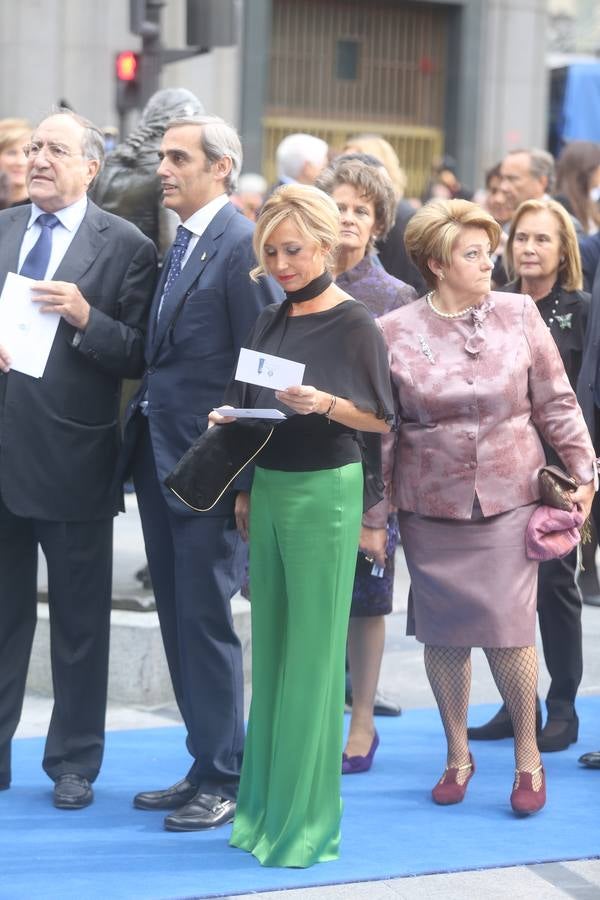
column 345, row 355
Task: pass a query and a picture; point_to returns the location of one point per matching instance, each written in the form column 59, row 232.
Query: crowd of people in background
column 451, row 345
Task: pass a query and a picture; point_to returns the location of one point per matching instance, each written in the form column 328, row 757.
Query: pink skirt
column 471, row 582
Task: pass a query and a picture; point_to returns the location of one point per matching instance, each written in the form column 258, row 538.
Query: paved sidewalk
column 403, row 677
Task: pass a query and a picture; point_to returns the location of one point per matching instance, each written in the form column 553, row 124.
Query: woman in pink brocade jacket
column 475, row 375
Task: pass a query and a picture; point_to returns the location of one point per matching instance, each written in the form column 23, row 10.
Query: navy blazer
column 59, row 434
column 192, row 350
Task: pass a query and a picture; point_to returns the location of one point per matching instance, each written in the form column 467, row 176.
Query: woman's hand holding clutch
column 215, row 418
column 583, row 497
column 372, row 544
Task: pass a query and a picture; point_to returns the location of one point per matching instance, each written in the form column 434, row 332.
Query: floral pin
column 426, row 349
column 565, row 321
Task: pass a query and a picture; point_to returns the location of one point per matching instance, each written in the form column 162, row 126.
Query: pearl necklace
column 446, row 315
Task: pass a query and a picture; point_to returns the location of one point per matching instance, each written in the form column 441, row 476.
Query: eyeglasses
column 56, row 152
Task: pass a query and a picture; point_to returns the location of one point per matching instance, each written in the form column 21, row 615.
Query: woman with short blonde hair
column 477, row 378
column 308, row 209
column 303, row 518
column 433, row 234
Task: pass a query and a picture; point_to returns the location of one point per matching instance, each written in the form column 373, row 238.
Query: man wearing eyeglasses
column 59, row 442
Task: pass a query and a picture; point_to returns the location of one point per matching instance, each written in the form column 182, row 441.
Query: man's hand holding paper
column 64, row 298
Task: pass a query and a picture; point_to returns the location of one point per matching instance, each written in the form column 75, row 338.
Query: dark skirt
column 471, row 582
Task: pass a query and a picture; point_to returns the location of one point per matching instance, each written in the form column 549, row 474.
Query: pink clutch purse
column 552, row 533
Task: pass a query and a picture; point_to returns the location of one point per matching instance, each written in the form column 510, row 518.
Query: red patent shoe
column 448, row 790
column 524, row 799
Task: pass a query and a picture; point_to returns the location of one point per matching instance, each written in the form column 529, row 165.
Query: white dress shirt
column 199, row 222
column 70, row 219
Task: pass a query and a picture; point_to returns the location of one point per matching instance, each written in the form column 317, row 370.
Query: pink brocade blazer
column 471, row 394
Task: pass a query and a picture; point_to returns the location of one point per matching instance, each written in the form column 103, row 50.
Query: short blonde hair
column 13, row 131
column 376, row 146
column 434, row 229
column 313, row 212
column 570, row 276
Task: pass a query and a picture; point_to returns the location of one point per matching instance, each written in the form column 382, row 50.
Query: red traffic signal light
column 127, row 65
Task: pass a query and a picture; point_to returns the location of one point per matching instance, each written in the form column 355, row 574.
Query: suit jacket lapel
column 12, row 237
column 202, row 253
column 85, row 246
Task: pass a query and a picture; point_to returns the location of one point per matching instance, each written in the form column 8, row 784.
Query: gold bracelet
column 331, row 408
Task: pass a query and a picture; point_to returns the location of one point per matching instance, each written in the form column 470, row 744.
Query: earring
column 441, row 276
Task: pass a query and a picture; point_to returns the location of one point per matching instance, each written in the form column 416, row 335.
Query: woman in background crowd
column 14, row 133
column 366, row 201
column 475, row 375
column 578, row 183
column 542, row 253
column 392, row 252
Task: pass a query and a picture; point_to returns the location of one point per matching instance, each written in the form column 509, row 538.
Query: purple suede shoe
column 352, row 765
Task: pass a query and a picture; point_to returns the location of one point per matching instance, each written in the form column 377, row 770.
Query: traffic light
column 127, row 69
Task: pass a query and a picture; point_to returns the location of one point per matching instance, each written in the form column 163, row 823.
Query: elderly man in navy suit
column 59, row 442
column 203, row 309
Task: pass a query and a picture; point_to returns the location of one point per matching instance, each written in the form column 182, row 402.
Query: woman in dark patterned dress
column 365, row 198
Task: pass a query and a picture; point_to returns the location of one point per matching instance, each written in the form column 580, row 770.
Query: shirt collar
column 199, row 221
column 70, row 217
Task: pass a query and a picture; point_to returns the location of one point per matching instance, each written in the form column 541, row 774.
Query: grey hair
column 541, row 164
column 92, row 142
column 297, row 149
column 217, row 140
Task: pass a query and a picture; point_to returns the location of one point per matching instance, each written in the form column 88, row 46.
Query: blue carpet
column 390, row 826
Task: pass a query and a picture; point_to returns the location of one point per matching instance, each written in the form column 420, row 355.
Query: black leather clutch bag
column 214, row 461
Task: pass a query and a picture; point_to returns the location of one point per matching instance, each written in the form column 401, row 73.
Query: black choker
column 310, row 290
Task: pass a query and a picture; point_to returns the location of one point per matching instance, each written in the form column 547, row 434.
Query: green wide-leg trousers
column 304, row 532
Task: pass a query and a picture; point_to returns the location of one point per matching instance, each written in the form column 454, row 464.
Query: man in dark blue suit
column 203, row 309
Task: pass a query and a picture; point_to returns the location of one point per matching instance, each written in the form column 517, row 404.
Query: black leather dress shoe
column 204, row 811
column 558, row 734
column 171, row 798
column 591, row 759
column 500, row 726
column 72, row 792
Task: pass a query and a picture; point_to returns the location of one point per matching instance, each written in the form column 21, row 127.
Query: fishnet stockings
column 515, row 672
column 449, row 673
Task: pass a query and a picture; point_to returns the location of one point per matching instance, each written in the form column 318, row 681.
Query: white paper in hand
column 247, row 413
column 268, row 371
column 25, row 333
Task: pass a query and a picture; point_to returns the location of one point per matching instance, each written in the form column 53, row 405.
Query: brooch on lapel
column 203, row 257
column 426, row 349
column 565, row 321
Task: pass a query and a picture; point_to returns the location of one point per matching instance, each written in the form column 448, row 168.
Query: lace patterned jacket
column 471, row 394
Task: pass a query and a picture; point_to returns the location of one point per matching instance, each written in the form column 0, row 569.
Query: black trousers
column 79, row 558
column 559, row 614
column 196, row 564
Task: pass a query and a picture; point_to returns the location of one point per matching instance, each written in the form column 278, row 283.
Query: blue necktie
column 180, row 245
column 36, row 261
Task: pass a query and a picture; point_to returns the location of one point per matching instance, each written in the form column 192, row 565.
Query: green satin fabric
column 304, row 532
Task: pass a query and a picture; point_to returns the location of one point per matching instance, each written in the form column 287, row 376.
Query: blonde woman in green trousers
column 304, row 524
